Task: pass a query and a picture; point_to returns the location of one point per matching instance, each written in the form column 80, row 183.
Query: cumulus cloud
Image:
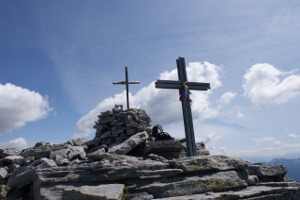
column 163, row 106
column 18, row 143
column 264, row 84
column 227, row 110
column 211, row 141
column 227, row 97
column 19, row 106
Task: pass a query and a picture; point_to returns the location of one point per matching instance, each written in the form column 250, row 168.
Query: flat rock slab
column 130, row 143
column 208, row 163
column 269, row 170
column 13, row 160
column 9, row 152
column 161, row 146
column 100, row 155
column 93, row 173
column 20, row 177
column 250, row 193
column 221, row 181
column 66, row 192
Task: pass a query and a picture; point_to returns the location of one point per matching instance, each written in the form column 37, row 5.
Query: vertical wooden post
column 186, row 111
column 127, row 87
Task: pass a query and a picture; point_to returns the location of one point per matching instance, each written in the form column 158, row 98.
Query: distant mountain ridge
column 292, row 164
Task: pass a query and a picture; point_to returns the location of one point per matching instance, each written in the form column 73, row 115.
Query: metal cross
column 126, row 82
column 186, row 108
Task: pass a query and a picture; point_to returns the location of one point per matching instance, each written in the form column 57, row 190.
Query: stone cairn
column 117, row 125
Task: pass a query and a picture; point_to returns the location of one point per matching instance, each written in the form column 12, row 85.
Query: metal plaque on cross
column 184, row 86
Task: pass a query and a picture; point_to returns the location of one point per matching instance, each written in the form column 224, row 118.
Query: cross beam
column 126, row 82
column 166, row 84
column 186, row 108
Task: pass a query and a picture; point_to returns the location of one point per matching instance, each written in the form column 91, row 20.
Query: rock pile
column 116, row 125
column 78, row 169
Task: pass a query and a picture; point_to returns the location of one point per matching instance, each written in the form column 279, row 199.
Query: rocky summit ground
column 125, row 162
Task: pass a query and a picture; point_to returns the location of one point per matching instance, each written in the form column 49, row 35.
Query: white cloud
column 285, row 22
column 227, row 110
column 19, row 106
column 163, row 106
column 227, row 97
column 18, row 143
column 211, row 142
column 262, row 84
column 266, row 142
column 267, row 148
column 239, row 114
column 292, row 135
column 268, row 152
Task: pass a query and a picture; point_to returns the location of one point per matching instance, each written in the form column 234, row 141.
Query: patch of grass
column 72, row 194
column 217, row 185
column 126, row 192
column 204, row 165
column 258, row 163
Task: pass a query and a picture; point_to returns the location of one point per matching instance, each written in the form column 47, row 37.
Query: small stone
column 16, row 160
column 9, row 152
column 46, row 163
column 77, row 141
column 3, row 173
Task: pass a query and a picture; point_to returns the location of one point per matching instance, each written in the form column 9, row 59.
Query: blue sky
column 58, row 60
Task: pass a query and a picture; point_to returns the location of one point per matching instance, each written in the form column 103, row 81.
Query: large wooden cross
column 126, row 82
column 183, row 84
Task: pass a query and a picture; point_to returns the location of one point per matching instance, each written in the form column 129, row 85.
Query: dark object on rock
column 159, row 134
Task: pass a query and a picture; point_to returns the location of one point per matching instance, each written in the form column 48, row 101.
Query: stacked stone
column 116, row 125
